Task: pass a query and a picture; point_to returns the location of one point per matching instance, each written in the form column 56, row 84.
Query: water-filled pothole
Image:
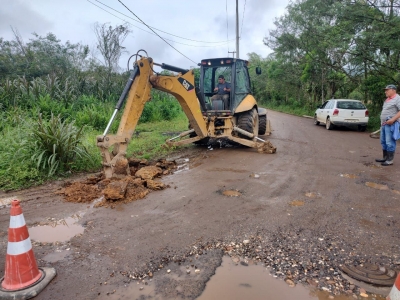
column 57, row 230
column 254, row 282
column 232, row 280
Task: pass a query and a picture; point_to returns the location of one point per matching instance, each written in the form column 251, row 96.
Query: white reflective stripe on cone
column 394, row 294
column 17, row 248
column 17, row 221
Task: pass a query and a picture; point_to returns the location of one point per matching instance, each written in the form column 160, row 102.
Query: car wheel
column 316, row 122
column 328, row 124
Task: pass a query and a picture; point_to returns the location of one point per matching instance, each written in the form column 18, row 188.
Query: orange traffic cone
column 22, row 276
column 21, row 268
column 395, row 292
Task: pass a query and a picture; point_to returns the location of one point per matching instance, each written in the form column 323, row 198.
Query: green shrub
column 161, row 107
column 96, row 115
column 56, row 145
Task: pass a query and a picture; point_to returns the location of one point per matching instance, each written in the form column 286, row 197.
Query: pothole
column 297, row 203
column 396, row 192
column 312, row 195
column 350, row 176
column 250, row 281
column 377, row 186
column 232, row 193
column 57, row 230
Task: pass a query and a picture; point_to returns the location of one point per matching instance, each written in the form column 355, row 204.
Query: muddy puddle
column 182, row 164
column 236, row 282
column 255, row 282
column 57, row 230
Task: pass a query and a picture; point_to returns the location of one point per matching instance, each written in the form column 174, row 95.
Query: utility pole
column 237, row 29
column 233, row 53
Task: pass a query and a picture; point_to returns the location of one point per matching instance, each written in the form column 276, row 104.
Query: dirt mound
column 120, row 189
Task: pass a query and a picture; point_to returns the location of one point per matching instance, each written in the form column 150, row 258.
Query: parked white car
column 342, row 112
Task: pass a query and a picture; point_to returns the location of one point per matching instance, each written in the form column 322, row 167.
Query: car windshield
column 350, row 105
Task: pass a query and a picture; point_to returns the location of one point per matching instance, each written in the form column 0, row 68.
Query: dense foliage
column 55, row 98
column 326, row 49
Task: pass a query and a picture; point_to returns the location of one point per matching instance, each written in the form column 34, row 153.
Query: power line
column 156, row 33
column 198, row 46
column 156, row 28
column 244, row 9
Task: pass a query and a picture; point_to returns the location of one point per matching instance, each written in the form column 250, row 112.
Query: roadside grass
column 149, row 140
column 18, row 170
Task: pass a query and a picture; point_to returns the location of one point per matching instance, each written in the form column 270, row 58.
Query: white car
column 342, row 112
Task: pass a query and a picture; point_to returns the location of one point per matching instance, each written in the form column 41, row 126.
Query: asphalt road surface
column 320, row 198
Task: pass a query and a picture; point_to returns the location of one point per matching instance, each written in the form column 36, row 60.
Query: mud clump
column 80, row 192
column 266, row 147
column 120, row 189
column 149, row 172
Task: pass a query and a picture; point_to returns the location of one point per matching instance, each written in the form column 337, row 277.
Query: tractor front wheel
column 248, row 121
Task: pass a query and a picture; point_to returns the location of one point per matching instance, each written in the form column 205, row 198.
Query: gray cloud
column 20, row 16
column 195, row 20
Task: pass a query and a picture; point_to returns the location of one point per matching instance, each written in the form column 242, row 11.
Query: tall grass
column 63, row 139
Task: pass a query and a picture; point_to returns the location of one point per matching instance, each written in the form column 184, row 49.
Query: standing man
column 223, row 90
column 390, row 114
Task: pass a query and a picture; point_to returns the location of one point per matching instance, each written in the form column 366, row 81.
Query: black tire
column 262, row 125
column 328, row 124
column 316, row 122
column 248, row 121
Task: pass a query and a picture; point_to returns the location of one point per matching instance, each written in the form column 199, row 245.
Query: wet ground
column 292, row 218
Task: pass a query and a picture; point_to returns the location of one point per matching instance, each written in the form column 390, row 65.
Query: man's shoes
column 389, row 159
column 384, row 157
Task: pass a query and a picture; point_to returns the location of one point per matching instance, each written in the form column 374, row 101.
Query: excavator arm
column 137, row 93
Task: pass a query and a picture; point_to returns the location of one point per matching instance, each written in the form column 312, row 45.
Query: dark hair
column 221, row 76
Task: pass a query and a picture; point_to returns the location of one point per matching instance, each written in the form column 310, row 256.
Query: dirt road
column 319, row 202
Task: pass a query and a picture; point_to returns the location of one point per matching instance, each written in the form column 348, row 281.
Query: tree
column 109, row 43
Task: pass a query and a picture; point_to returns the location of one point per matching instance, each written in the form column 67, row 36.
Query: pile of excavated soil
column 122, row 189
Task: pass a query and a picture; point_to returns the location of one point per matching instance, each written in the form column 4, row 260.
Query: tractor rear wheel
column 262, row 126
column 248, row 121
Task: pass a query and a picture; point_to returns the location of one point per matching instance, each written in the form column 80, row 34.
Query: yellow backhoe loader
column 241, row 121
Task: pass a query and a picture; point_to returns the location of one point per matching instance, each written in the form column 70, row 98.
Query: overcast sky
column 198, row 29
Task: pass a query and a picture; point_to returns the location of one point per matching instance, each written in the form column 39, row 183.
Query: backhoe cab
column 241, row 122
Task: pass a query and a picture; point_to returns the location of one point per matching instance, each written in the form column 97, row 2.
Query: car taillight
column 366, row 113
column 336, row 112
